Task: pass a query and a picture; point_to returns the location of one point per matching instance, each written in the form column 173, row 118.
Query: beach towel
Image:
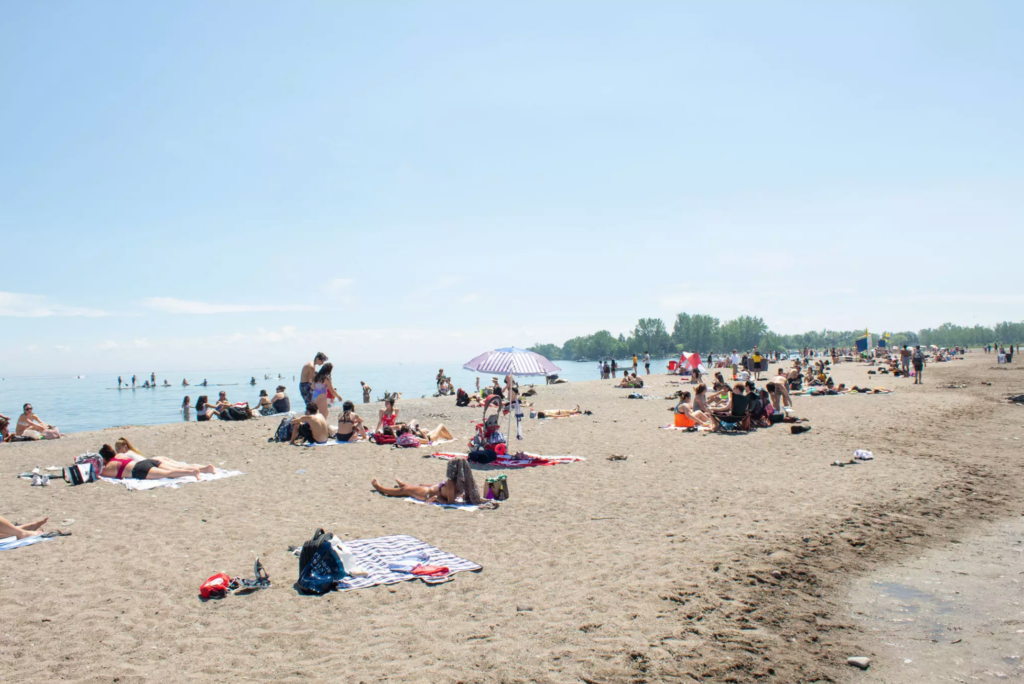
column 461, row 507
column 531, row 461
column 172, row 482
column 375, row 555
column 8, row 543
column 329, row 442
column 684, row 429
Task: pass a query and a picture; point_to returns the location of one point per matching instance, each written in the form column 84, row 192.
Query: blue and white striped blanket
column 376, row 554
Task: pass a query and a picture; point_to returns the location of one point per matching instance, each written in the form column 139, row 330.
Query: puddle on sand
column 954, row 614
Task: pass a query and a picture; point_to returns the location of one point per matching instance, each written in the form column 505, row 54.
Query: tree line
column 703, row 333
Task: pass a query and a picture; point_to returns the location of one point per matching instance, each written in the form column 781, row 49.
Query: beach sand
column 656, row 568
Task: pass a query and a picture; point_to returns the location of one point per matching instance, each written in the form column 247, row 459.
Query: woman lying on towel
column 118, row 459
column 560, row 413
column 9, row 529
column 686, row 408
column 412, row 436
column 458, row 487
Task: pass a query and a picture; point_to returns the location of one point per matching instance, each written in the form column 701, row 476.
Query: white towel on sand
column 8, row 543
column 172, row 482
column 461, row 507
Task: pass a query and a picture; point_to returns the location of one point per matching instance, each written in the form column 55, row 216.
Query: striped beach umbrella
column 512, row 360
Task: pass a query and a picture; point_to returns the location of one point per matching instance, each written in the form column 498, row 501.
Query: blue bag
column 320, row 568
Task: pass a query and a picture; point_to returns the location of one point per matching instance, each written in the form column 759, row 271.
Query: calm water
column 88, row 403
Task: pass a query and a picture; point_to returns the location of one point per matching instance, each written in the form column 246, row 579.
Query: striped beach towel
column 376, row 554
column 531, row 461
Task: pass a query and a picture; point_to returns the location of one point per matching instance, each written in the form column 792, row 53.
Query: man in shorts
column 918, row 360
column 905, row 355
column 307, row 375
column 647, row 362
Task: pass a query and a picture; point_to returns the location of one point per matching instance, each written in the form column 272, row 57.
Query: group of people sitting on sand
column 631, row 380
column 223, row 409
column 28, row 428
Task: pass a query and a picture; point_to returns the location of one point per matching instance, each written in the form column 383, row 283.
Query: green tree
column 549, row 351
column 650, row 333
column 742, row 333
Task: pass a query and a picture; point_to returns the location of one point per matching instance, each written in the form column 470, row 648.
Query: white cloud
column 470, row 298
column 22, row 305
column 181, row 306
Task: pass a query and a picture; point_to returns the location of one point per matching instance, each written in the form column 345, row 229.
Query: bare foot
column 35, row 525
column 376, row 485
column 208, row 468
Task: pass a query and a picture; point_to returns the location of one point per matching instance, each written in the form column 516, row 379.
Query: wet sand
column 700, row 557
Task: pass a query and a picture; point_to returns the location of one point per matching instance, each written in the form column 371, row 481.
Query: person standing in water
column 307, row 375
column 133, row 382
column 118, row 382
column 366, row 392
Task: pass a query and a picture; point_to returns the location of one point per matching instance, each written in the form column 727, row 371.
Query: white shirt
column 735, row 358
column 647, row 358
column 743, row 376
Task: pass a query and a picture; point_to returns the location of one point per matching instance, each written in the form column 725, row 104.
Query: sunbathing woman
column 560, row 413
column 323, row 389
column 9, row 529
column 429, row 436
column 697, row 416
column 388, row 415
column 118, row 458
column 29, row 422
column 350, row 425
column 458, row 487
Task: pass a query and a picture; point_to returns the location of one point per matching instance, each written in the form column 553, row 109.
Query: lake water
column 76, row 404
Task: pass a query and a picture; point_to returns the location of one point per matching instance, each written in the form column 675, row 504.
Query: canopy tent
column 692, row 361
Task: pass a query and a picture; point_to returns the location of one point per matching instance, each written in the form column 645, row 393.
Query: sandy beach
column 701, row 557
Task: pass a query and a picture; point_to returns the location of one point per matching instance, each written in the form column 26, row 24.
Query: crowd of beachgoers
column 712, row 402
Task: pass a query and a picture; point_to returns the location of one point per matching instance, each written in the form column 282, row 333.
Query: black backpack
column 319, row 565
column 283, row 432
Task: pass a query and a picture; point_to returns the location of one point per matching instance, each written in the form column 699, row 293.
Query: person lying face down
column 124, row 461
column 457, row 487
column 312, row 427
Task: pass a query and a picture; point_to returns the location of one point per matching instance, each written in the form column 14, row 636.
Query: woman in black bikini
column 118, row 459
column 350, row 425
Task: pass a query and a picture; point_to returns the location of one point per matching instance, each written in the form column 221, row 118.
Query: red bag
column 215, row 587
column 381, row 438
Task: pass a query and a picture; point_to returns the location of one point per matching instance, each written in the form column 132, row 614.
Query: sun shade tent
column 692, row 361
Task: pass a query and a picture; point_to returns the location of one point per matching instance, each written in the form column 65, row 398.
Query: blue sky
column 223, row 184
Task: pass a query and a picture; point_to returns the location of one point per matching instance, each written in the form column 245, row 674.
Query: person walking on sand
column 307, row 375
column 918, row 359
column 647, row 362
column 905, row 355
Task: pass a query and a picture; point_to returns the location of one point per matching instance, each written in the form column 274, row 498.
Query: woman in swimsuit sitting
column 696, row 415
column 204, row 411
column 324, row 393
column 388, row 415
column 458, row 487
column 117, row 459
column 350, row 425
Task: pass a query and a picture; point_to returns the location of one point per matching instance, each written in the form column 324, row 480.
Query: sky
column 241, row 183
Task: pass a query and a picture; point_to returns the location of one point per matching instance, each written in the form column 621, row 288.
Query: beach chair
column 737, row 421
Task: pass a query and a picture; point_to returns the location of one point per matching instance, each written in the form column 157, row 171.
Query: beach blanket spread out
column 531, row 461
column 8, row 543
column 375, row 555
column 172, row 482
